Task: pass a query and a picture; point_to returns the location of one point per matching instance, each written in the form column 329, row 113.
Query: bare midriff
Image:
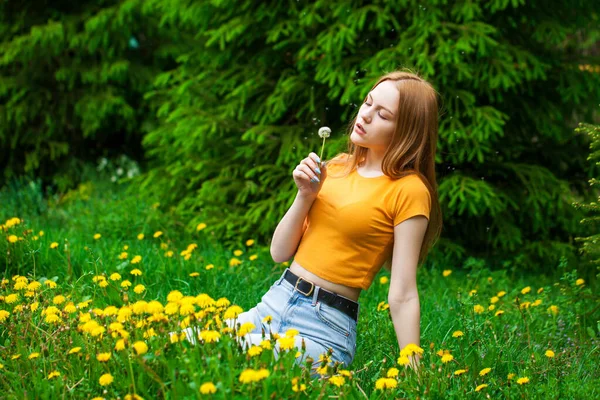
column 351, row 293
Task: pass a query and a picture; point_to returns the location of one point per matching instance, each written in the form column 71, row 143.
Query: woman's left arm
column 403, row 296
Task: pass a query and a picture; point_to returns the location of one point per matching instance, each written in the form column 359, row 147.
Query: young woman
column 379, row 205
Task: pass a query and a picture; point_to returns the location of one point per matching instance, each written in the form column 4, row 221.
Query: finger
column 313, row 156
column 312, row 164
column 309, row 172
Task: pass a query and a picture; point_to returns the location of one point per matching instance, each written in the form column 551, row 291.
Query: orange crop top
column 349, row 229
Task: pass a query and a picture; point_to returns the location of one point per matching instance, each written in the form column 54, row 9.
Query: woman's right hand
column 305, row 171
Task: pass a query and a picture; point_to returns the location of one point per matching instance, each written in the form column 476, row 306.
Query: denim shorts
column 321, row 326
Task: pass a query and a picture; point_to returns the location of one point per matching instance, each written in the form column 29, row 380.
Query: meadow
column 94, row 281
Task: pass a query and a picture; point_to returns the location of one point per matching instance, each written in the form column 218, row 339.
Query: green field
column 70, row 326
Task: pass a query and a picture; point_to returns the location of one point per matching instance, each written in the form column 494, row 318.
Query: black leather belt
column 336, row 301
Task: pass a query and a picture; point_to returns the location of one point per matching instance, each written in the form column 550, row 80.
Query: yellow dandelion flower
column 4, row 315
column 494, row 299
column 447, row 358
column 510, row 376
column 266, row 344
column 491, row 307
column 337, row 380
column 157, row 234
column 140, row 347
column 383, row 280
column 472, row 292
column 579, row 282
column 385, row 383
column 120, row 345
column 232, row 312
column 97, row 236
column 549, row 353
column 522, row 381
column 115, row 276
column 483, row 385
column 484, row 371
column 208, row 388
column 234, row 262
column 553, row 309
column 103, row 357
column 478, row 308
column 53, row 245
column 253, row 257
column 125, row 247
column 499, row 312
column 200, row 226
column 15, row 357
column 392, row 372
column 267, row 319
column 74, row 350
column 446, row 272
column 382, row 306
column 13, row 239
column 246, row 328
column 292, row 332
column 58, row 299
column 210, row 336
column 286, row 343
column 457, row 334
column 136, row 260
column 139, row 289
column 33, row 355
column 169, row 254
column 140, row 236
column 526, row 290
column 125, row 284
column 70, row 308
column 209, row 267
column 501, row 293
column 53, row 374
column 11, row 298
column 296, row 387
column 123, row 255
column 238, row 253
column 460, row 371
column 50, row 284
column 106, row 379
column 254, row 351
column 174, row 296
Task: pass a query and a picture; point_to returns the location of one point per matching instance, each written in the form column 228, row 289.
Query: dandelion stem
column 131, row 372
column 322, row 147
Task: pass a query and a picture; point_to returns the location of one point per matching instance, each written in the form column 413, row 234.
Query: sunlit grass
column 92, row 289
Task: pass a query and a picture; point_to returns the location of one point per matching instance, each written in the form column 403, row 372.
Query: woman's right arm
column 289, row 231
column 309, row 180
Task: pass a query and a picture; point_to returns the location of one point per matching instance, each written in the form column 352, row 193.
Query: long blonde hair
column 412, row 148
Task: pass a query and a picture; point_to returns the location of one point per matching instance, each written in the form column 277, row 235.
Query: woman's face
column 376, row 119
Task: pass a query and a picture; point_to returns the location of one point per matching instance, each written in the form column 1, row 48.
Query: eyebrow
column 369, row 94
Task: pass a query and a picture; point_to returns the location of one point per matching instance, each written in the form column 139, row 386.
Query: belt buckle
column 311, row 289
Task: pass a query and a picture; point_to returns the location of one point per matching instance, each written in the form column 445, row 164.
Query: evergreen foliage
column 243, row 107
column 72, row 78
column 228, row 97
column 590, row 245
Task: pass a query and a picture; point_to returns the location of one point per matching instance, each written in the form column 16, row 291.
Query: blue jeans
column 321, row 326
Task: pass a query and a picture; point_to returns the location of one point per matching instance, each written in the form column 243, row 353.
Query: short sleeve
column 413, row 198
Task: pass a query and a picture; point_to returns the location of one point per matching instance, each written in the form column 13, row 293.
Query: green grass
column 512, row 343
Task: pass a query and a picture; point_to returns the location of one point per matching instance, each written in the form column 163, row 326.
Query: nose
column 365, row 116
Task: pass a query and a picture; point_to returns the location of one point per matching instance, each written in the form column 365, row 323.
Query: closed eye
column 380, row 116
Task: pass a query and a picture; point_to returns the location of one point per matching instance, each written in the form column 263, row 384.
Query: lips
column 359, row 129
